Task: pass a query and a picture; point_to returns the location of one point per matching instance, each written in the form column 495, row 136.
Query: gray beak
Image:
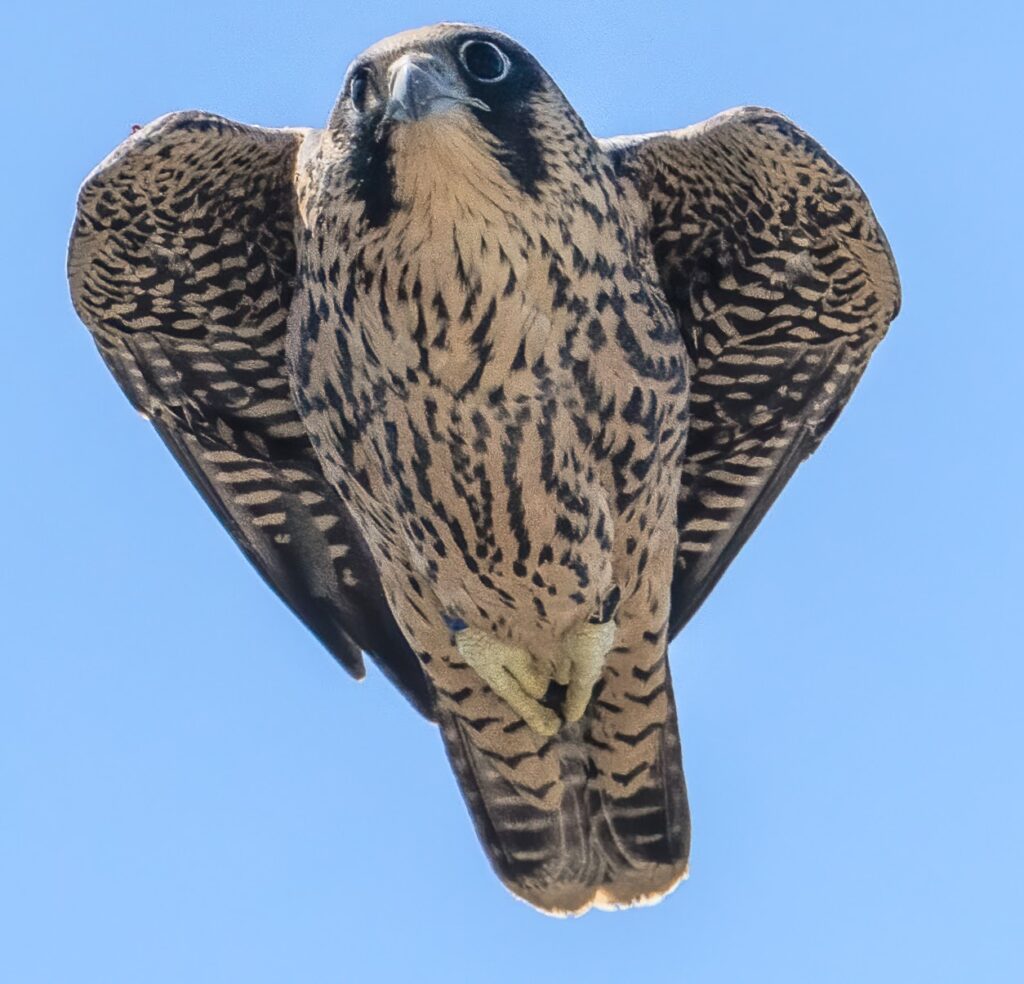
column 422, row 86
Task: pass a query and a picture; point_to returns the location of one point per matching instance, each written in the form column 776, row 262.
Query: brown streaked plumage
column 493, row 401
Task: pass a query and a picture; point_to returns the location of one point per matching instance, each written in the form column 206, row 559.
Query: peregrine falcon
column 493, row 401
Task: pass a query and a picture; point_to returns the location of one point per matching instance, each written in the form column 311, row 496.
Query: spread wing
column 783, row 284
column 181, row 264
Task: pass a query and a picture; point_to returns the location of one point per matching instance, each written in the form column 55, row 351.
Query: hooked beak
column 420, row 86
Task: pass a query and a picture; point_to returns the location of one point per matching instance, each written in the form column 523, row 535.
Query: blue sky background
column 191, row 790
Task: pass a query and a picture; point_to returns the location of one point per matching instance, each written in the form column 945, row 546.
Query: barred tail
column 596, row 829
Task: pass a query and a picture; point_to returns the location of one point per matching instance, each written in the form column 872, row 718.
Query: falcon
column 493, row 402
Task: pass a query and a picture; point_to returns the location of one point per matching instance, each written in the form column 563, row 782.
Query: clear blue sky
column 191, row 790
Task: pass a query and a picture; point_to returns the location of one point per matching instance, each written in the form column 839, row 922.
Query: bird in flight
column 493, row 402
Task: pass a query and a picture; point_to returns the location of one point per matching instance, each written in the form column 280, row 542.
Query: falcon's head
column 458, row 106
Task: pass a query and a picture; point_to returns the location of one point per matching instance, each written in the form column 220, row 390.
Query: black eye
column 357, row 89
column 485, row 61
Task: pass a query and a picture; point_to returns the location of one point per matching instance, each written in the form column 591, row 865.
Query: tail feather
column 572, row 843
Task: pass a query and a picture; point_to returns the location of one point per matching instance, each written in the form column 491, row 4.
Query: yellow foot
column 512, row 674
column 583, row 651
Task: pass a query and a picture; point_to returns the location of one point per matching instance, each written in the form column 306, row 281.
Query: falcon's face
column 447, row 103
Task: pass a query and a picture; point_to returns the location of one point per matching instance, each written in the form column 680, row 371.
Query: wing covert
column 783, row 283
column 181, row 264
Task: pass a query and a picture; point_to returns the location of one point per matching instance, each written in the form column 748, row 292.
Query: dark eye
column 357, row 89
column 484, row 61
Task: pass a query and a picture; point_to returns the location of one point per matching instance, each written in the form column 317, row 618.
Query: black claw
column 554, row 699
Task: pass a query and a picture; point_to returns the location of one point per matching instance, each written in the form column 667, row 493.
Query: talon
column 513, row 675
column 526, row 675
column 585, row 649
column 510, row 672
column 563, row 671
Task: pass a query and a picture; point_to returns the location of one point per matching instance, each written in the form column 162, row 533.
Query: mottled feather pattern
column 182, row 262
column 784, row 284
column 493, row 401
